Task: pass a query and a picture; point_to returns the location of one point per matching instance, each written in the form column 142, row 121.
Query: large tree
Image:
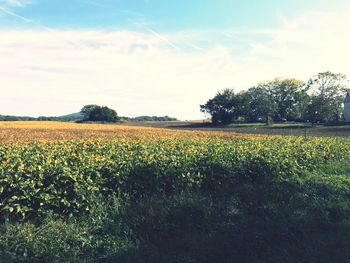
column 261, row 103
column 317, row 110
column 328, row 90
column 288, row 94
column 99, row 113
column 223, row 108
column 87, row 109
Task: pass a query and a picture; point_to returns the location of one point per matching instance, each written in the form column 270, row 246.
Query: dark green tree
column 99, row 113
column 244, row 110
column 317, row 110
column 87, row 109
column 223, row 108
column 261, row 102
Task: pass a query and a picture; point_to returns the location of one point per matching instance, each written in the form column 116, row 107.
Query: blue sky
column 163, row 15
column 155, row 55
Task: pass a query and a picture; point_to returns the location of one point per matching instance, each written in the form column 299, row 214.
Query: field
column 63, row 131
column 115, row 193
column 285, row 129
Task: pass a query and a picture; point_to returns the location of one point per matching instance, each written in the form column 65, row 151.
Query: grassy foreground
column 298, row 220
column 173, row 197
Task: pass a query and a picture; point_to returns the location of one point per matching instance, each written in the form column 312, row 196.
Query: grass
column 286, row 129
column 305, row 218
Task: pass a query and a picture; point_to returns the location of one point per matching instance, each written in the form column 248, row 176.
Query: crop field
column 63, row 131
column 94, row 192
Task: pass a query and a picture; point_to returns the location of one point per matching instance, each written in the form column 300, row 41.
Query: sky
column 158, row 57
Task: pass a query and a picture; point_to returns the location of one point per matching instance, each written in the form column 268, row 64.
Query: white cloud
column 57, row 72
column 135, row 73
column 312, row 42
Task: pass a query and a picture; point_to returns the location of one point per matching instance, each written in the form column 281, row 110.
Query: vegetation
column 317, row 101
column 152, row 195
column 19, row 132
column 43, row 177
column 98, row 113
column 15, row 118
column 154, row 118
column 84, row 116
column 69, row 117
column 258, row 128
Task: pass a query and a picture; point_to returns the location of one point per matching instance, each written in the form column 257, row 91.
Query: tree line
column 67, row 118
column 89, row 113
column 319, row 100
column 105, row 114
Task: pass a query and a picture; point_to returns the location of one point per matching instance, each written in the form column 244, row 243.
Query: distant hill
column 16, row 118
column 77, row 115
column 73, row 117
column 68, row 117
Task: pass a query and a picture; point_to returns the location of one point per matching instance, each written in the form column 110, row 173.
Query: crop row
column 61, row 177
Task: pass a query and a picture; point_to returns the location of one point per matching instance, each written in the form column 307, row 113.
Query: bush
column 99, row 113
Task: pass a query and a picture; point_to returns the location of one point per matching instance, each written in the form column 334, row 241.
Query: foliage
column 328, row 91
column 99, row 113
column 69, row 117
column 319, row 100
column 39, row 178
column 278, row 99
column 301, row 218
column 84, row 239
column 261, row 103
column 289, row 96
column 15, row 118
column 223, row 107
column 154, row 118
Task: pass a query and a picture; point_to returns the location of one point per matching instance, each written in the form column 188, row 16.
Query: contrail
column 150, row 30
column 161, row 37
column 155, row 33
column 165, row 39
column 27, row 20
column 8, row 12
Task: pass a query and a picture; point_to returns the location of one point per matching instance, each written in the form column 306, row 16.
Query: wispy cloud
column 16, row 3
column 156, row 34
column 37, row 24
column 13, row 14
